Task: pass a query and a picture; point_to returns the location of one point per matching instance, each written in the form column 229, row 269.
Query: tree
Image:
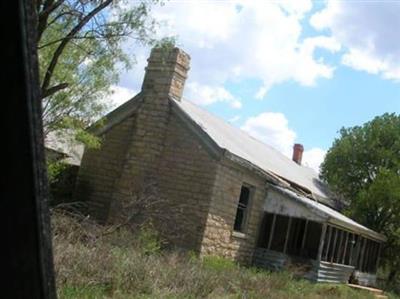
column 80, row 51
column 363, row 166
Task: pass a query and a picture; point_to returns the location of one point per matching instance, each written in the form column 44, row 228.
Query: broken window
column 242, row 209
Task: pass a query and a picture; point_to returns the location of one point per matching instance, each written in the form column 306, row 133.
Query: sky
column 284, row 71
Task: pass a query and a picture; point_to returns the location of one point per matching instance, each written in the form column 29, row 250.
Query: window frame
column 246, row 209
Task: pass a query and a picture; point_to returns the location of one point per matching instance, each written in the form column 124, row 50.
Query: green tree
column 81, row 55
column 363, row 166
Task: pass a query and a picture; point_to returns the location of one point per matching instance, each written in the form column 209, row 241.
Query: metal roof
column 65, row 143
column 252, row 150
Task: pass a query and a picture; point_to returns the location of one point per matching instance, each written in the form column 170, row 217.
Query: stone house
column 224, row 193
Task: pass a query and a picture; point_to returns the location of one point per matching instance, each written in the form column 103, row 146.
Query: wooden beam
column 345, row 247
column 366, row 256
column 334, row 245
column 287, row 235
column 329, row 242
column 271, row 234
column 321, row 242
column 362, row 253
column 351, row 249
column 303, row 242
column 378, row 257
column 337, row 257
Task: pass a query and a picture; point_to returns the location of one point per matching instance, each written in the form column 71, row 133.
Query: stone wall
column 101, row 167
column 219, row 237
column 166, row 164
column 186, row 176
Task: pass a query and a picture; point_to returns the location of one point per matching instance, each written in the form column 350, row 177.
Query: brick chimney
column 298, row 153
column 166, row 72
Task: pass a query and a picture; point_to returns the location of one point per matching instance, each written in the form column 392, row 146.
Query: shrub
column 92, row 261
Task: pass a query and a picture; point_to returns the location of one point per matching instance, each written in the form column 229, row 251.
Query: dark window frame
column 244, row 209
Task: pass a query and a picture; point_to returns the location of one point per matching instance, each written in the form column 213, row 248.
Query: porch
column 321, row 243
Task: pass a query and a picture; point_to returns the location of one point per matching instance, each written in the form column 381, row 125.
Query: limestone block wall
column 219, row 237
column 165, row 155
column 186, row 178
column 101, row 167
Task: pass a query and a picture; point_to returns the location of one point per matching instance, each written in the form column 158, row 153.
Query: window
column 242, row 209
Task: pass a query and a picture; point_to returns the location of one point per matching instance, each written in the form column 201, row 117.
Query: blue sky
column 286, row 72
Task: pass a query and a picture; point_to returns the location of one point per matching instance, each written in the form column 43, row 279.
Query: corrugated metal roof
column 65, row 143
column 254, row 151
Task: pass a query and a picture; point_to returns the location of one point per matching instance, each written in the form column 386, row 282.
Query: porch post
column 287, row 234
column 345, row 247
column 362, row 254
column 334, row 245
column 321, row 242
column 271, row 232
column 351, row 249
column 329, row 242
column 378, row 257
column 337, row 257
column 303, row 242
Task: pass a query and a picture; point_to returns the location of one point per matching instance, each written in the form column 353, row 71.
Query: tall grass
column 103, row 262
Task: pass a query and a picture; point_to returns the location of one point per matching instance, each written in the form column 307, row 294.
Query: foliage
column 80, row 46
column 218, row 263
column 54, row 169
column 90, row 262
column 363, row 165
column 149, row 240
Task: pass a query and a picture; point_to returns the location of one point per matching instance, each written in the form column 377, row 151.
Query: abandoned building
column 223, row 192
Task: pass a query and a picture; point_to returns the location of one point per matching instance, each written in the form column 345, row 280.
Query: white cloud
column 313, row 158
column 271, row 128
column 234, row 118
column 367, row 31
column 205, row 95
column 233, row 41
column 120, row 95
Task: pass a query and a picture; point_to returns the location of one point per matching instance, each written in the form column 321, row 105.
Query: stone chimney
column 298, row 153
column 166, row 72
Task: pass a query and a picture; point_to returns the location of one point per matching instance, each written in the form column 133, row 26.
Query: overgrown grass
column 104, row 262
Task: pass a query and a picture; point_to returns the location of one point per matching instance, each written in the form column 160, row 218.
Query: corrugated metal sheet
column 63, row 141
column 252, row 150
column 319, row 271
column 333, row 273
column 269, row 259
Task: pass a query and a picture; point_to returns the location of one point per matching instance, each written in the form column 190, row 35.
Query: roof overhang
column 283, row 201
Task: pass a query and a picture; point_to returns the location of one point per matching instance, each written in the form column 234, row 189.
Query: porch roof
column 330, row 215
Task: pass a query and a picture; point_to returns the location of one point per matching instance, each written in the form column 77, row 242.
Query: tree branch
column 54, row 89
column 48, row 7
column 64, row 42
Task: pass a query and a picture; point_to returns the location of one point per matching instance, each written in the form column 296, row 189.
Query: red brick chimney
column 298, row 153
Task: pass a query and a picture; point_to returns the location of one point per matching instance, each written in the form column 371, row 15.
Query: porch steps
column 377, row 292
